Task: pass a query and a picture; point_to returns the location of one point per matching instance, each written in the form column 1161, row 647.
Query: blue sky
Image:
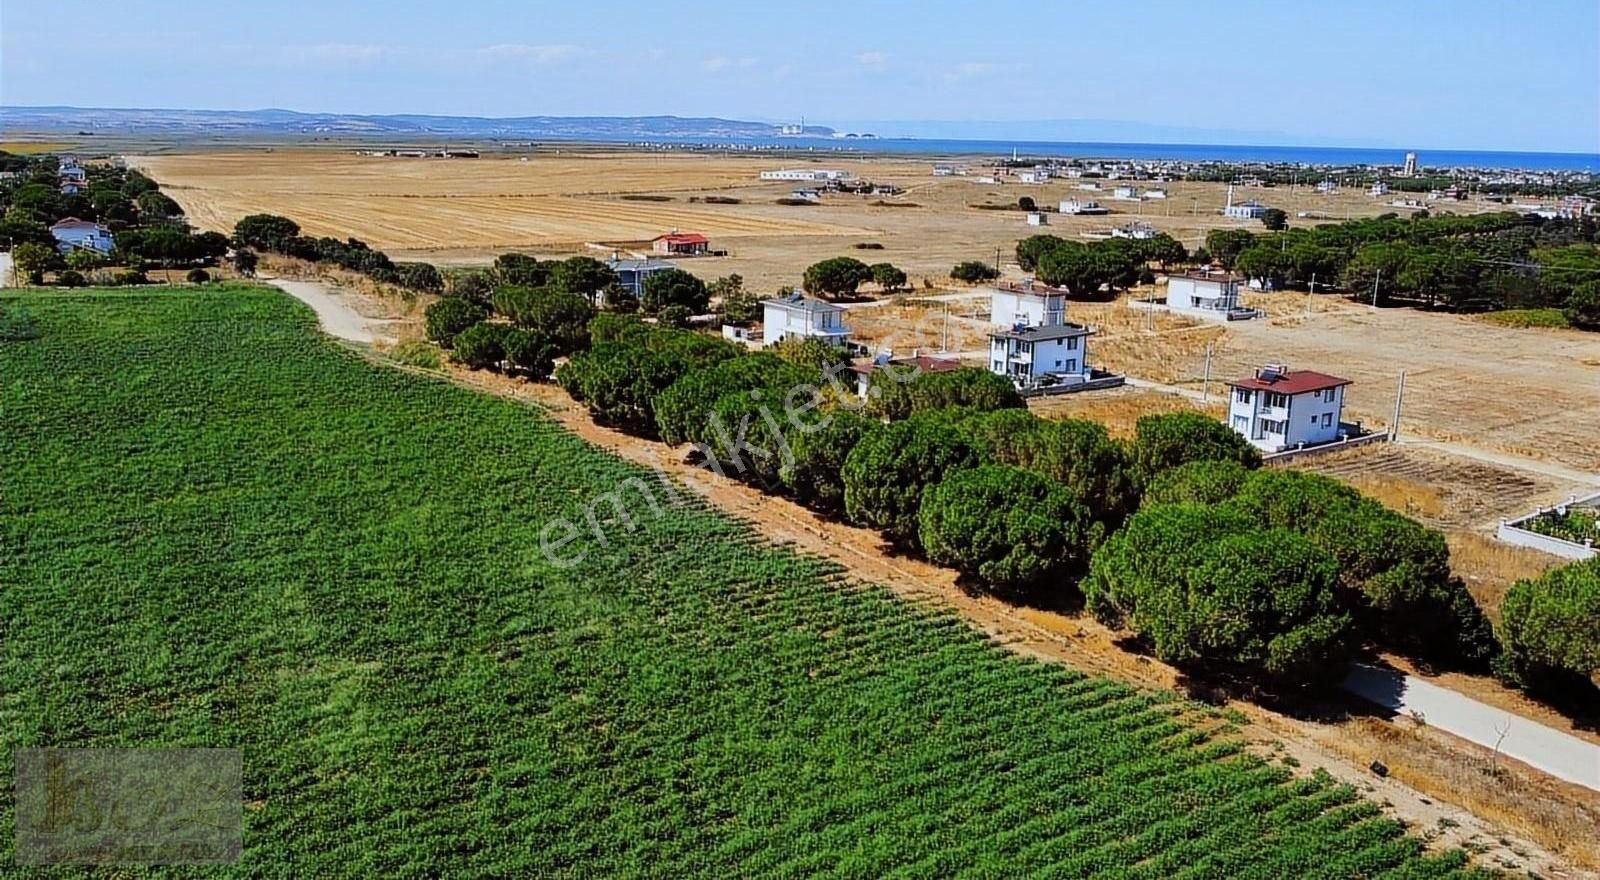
column 1469, row 74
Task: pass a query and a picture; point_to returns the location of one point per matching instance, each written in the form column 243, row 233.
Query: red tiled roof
column 1292, row 382
column 683, row 238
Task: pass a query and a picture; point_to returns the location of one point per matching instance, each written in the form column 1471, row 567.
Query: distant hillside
column 118, row 120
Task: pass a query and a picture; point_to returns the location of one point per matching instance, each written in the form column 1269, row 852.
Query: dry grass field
column 552, row 202
column 1529, row 392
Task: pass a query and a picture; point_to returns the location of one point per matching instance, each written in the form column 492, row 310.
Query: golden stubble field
column 463, row 211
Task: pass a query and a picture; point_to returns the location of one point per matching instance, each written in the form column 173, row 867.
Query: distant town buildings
column 72, row 177
column 1279, row 408
column 796, row 315
column 807, row 174
column 1379, row 188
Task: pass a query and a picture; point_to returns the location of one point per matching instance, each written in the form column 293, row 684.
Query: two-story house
column 1279, row 408
column 801, row 316
column 1204, row 294
column 74, row 234
column 1033, row 340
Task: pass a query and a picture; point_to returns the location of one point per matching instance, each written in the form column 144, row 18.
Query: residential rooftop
column 802, row 303
column 1290, row 381
column 1036, row 334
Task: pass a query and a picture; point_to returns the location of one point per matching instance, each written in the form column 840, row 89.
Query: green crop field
column 219, row 529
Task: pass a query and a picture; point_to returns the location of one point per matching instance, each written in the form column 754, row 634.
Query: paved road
column 1558, row 754
column 335, row 315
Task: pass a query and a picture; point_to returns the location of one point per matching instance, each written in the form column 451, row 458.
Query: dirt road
column 336, row 316
column 1563, row 756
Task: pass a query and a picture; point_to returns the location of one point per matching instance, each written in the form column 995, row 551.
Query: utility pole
column 1375, row 277
column 1394, row 421
column 944, row 332
column 1205, row 382
column 1311, row 293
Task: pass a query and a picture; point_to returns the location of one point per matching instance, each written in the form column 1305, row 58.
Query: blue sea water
column 1196, row 152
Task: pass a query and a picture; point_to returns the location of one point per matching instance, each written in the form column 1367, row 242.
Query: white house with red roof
column 1279, row 408
column 681, row 244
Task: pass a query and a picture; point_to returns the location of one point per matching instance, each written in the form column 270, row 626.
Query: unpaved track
column 334, row 314
column 1556, row 753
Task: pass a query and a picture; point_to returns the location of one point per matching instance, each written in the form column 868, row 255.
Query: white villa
column 801, row 316
column 1203, row 294
column 1379, row 188
column 1032, row 338
column 1135, row 230
column 73, row 234
column 1037, row 218
column 1249, row 209
column 1126, row 194
column 1033, row 175
column 1279, row 408
column 1155, row 192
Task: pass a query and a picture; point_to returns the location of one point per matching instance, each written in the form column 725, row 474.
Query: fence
column 1289, row 455
column 1512, row 532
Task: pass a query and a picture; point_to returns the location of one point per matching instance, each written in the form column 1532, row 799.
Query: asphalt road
column 1559, row 754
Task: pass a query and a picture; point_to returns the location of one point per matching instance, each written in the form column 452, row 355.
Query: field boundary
column 1511, row 532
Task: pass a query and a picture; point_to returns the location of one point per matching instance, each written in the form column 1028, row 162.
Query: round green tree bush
column 197, row 276
column 1550, row 625
column 1016, row 531
column 1197, row 482
column 481, row 346
column 886, row 473
column 674, row 287
column 816, row 473
column 445, row 319
column 1170, row 439
column 900, row 392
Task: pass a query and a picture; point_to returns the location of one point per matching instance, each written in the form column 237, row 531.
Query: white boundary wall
column 1511, row 532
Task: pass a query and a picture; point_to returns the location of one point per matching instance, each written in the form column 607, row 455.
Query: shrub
column 835, row 277
column 815, row 474
column 885, row 474
column 445, row 319
column 1394, row 573
column 130, row 278
column 681, row 409
column 474, row 287
column 1079, row 454
column 1582, row 308
column 481, row 346
column 809, row 351
column 887, row 276
column 197, row 276
column 1168, row 440
column 584, row 276
column 1209, row 588
column 521, row 270
column 974, row 272
column 674, row 287
column 1197, row 482
column 1550, row 625
column 560, row 317
column 629, row 364
column 1017, row 531
column 420, row 277
column 898, row 393
column 531, row 352
column 674, row 316
column 416, row 353
column 267, row 232
column 70, row 278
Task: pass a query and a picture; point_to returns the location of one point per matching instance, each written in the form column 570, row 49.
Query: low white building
column 1279, row 408
column 1126, row 194
column 1204, row 294
column 73, row 234
column 1081, row 207
column 801, row 316
column 1037, row 218
column 1379, row 188
column 1032, row 338
column 1328, row 187
column 1033, row 175
column 1249, row 209
column 810, row 174
column 1136, row 230
column 1155, row 192
column 1091, row 186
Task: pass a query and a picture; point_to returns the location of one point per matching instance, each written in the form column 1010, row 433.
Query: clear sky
column 1470, row 74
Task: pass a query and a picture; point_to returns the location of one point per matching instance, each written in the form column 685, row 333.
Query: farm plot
column 220, row 529
column 1439, row 489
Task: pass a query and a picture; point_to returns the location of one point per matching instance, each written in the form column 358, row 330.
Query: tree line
column 1218, row 565
column 1460, row 263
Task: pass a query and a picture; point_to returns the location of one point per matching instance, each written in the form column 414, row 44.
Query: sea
column 1325, row 156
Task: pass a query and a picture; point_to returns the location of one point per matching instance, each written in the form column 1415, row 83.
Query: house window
column 1327, row 420
column 1241, row 424
column 1242, row 395
column 1072, row 343
column 1058, row 365
column 1274, row 426
column 1072, row 365
column 1275, row 398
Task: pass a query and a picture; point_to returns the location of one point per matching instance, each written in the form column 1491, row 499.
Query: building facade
column 1279, row 409
column 803, row 317
column 807, row 174
column 683, row 244
column 1033, row 341
column 631, row 274
column 73, row 234
column 1206, row 294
